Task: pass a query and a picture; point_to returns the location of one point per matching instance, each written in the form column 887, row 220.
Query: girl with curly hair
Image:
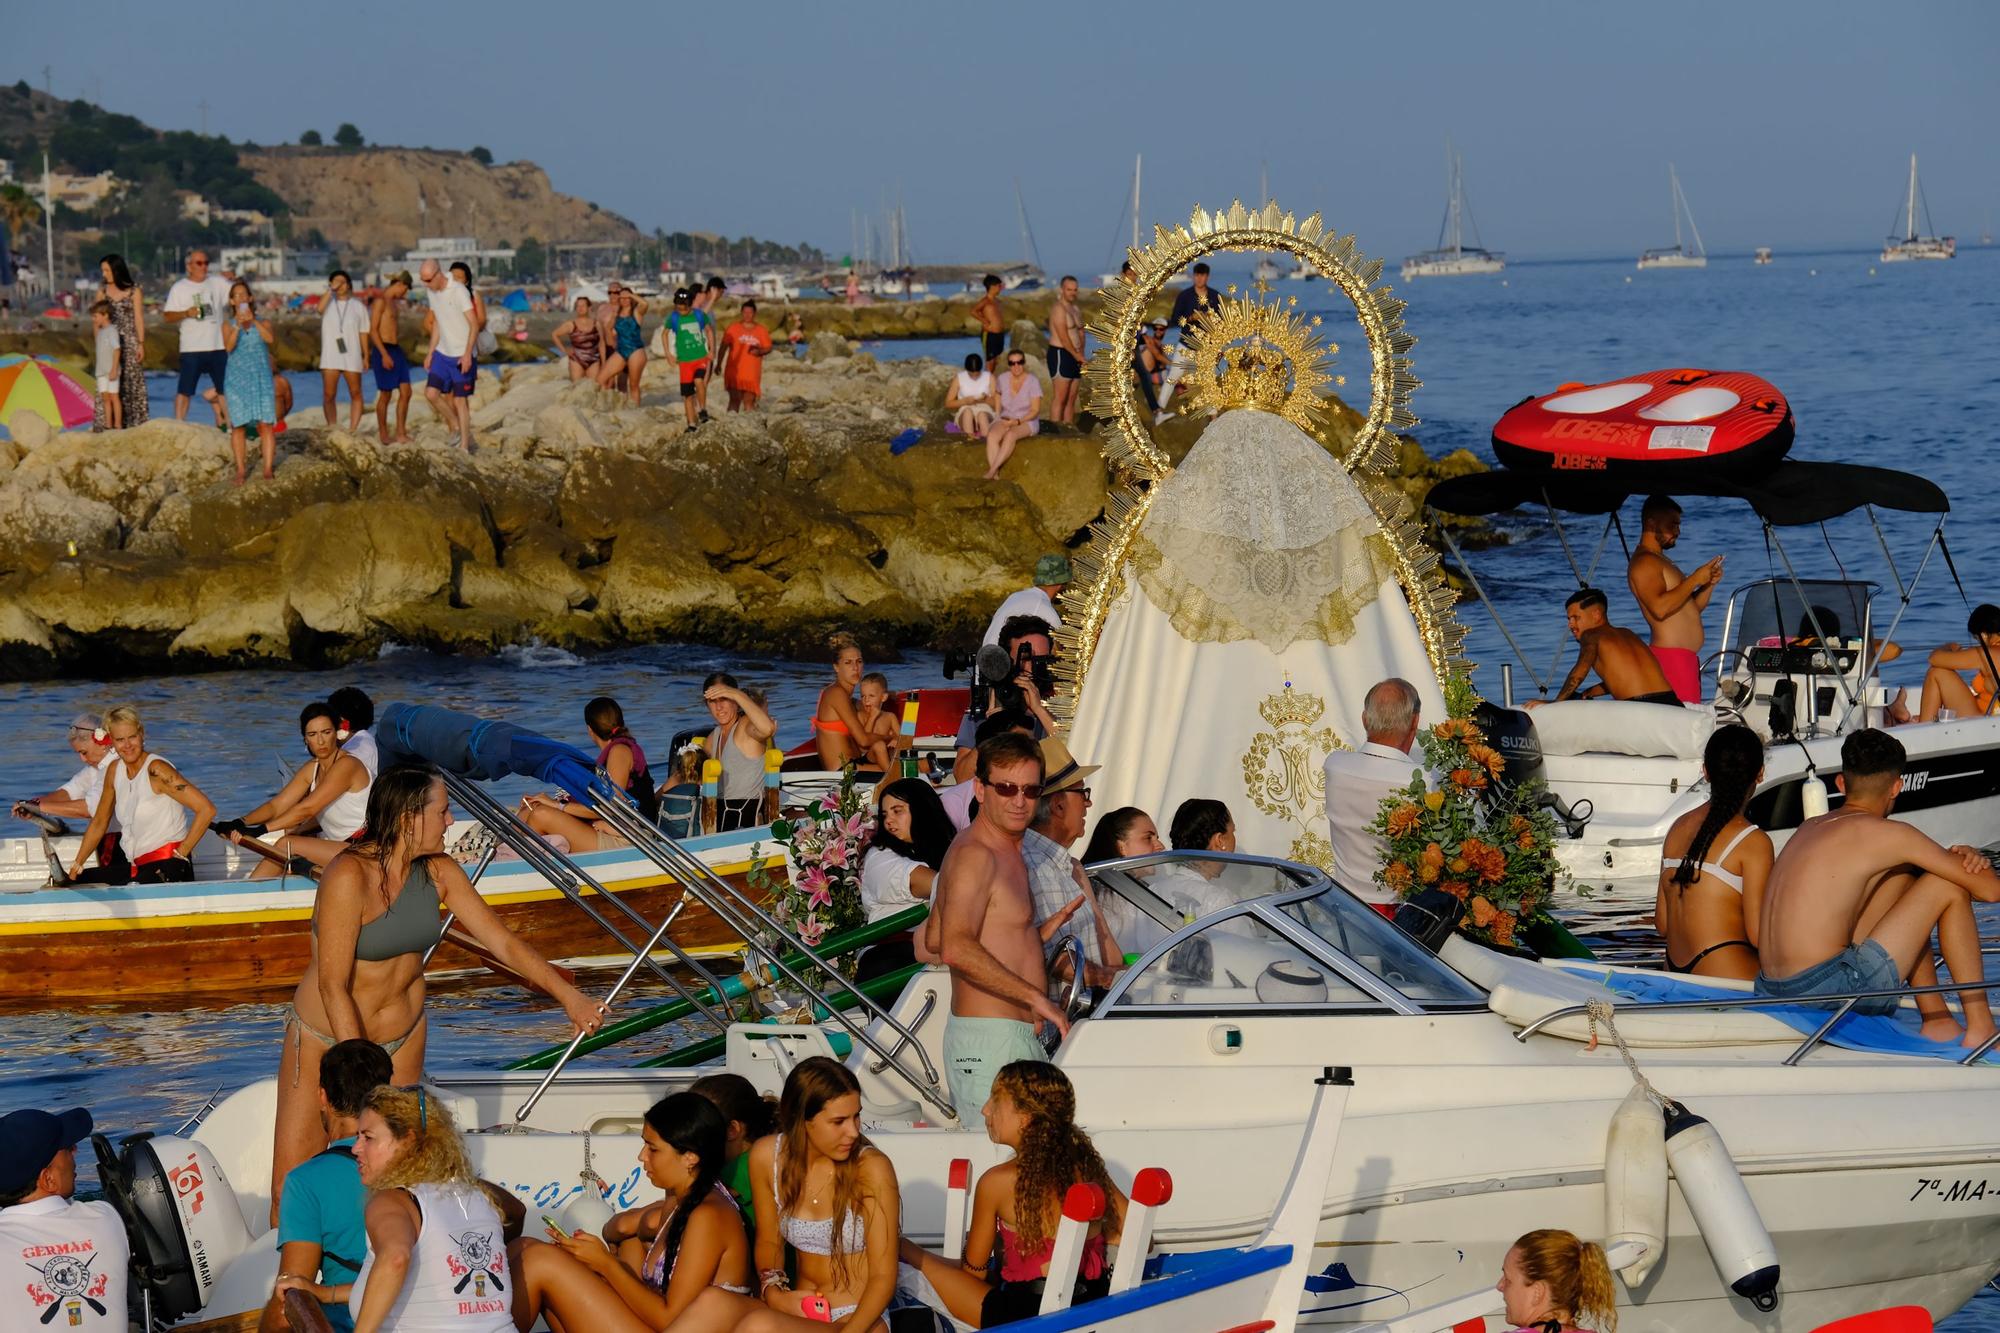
column 1032, row 1110
column 1551, row 1280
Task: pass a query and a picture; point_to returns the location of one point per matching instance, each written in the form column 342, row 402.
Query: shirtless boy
column 992, row 327
column 987, row 936
column 1621, row 659
column 880, row 732
column 1671, row 601
column 1065, row 354
column 1854, row 896
column 388, row 360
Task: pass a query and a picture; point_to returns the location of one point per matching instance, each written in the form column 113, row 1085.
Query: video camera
column 992, row 670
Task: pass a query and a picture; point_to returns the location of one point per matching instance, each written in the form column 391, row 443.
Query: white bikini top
column 1714, row 867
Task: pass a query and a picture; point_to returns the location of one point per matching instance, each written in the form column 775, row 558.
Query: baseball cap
column 30, row 1140
column 1060, row 770
column 1051, row 569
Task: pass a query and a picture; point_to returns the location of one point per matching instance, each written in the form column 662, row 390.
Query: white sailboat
column 1267, row 270
column 1106, row 279
column 1911, row 245
column 1679, row 256
column 1453, row 256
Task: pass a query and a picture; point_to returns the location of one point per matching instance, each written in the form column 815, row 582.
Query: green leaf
column 781, row 829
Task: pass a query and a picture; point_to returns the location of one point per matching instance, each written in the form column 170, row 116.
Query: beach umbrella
column 516, row 300
column 36, row 384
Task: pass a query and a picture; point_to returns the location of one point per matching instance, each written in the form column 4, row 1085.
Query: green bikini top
column 411, row 925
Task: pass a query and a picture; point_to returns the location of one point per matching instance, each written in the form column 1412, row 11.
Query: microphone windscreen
column 994, row 664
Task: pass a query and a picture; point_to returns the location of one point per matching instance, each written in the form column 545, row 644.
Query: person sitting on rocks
column 619, row 755
column 581, row 343
column 879, row 731
column 1019, row 396
column 836, row 724
column 971, row 397
column 328, row 793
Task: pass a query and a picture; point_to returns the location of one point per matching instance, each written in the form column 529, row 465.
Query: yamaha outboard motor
column 1511, row 731
column 180, row 1216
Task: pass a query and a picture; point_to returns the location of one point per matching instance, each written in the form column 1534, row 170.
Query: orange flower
column 1503, row 929
column 1487, row 758
column 1397, row 876
column 1483, row 912
column 1457, row 888
column 1526, row 842
column 1430, row 864
column 1459, row 865
column 1518, row 824
column 1469, row 778
column 1402, row 819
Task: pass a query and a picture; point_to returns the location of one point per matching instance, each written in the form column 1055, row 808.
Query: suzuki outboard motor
column 1511, row 731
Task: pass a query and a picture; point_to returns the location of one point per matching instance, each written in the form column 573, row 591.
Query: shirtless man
column 987, row 933
column 1065, row 354
column 992, row 327
column 1854, row 896
column 388, row 360
column 1671, row 601
column 1620, row 657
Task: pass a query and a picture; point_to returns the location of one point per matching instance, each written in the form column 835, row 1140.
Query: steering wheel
column 1076, row 999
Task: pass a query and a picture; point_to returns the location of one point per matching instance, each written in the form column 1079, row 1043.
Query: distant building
column 448, row 249
column 194, row 208
column 83, row 192
column 6, row 172
column 261, row 261
column 248, row 219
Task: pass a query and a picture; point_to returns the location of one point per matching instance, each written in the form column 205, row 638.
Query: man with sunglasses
column 987, row 934
column 196, row 303
column 1054, row 876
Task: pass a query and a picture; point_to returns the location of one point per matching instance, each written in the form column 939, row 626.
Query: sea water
column 1891, row 365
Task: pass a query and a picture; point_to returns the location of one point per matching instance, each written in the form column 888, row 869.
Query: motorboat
column 1679, row 255
column 773, row 286
column 1479, row 1109
column 1453, row 257
column 1763, row 255
column 1908, row 243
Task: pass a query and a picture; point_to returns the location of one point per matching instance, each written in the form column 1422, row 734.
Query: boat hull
column 1452, row 266
column 248, row 937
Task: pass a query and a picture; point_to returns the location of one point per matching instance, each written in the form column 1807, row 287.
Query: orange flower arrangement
column 1490, row 846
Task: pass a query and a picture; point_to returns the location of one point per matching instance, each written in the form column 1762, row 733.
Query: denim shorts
column 1858, row 967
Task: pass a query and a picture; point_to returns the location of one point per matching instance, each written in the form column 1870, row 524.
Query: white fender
column 587, row 1212
column 1723, row 1210
column 1635, row 1182
column 1812, row 796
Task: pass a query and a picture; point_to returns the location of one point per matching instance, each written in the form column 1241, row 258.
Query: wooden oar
column 453, row 935
column 278, row 858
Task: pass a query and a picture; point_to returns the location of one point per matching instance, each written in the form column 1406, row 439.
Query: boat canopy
column 476, row 747
column 1790, row 494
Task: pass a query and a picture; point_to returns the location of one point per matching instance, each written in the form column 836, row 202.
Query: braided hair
column 1054, row 1153
column 1733, row 759
column 689, row 1122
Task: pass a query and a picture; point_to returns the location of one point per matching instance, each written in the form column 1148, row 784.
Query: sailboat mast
column 1457, row 170
column 1137, row 159
column 1910, row 226
column 1674, row 180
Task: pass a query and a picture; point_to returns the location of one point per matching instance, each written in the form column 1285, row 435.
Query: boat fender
column 1635, row 1183
column 180, row 1215
column 1723, row 1211
column 1812, row 796
column 588, row 1211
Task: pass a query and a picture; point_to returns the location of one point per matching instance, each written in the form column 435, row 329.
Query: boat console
column 1799, row 657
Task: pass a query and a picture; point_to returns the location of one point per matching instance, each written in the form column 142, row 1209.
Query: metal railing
column 742, row 914
column 1846, row 999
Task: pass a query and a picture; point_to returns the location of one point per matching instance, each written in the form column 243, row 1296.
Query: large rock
column 654, row 587
column 349, row 567
column 445, row 483
column 239, row 621
column 244, row 521
column 41, row 524
column 114, row 592
column 130, row 470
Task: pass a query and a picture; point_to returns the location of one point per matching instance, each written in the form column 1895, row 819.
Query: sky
column 1791, row 121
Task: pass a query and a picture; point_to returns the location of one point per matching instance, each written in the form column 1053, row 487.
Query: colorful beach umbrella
column 37, row 384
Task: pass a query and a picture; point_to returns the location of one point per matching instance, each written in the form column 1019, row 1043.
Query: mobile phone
column 815, row 1307
column 242, row 307
column 553, row 1225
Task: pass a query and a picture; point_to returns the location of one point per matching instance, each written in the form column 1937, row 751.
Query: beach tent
column 516, row 300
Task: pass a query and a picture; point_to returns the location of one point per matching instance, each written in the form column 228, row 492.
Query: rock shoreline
column 580, row 522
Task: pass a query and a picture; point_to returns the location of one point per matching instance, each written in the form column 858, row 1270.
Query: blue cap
column 30, row 1140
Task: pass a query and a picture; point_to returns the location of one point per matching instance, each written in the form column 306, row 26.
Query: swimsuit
column 1667, row 697
column 584, row 345
column 1729, row 877
column 1682, row 668
column 1023, row 1278
column 630, row 339
column 1063, row 364
column 657, row 1273
column 975, row 1051
column 410, row 926
column 809, row 1237
column 995, row 344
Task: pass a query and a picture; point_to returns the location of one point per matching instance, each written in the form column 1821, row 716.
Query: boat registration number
column 1954, row 1191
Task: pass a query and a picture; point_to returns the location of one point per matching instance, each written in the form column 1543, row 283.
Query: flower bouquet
column 824, row 843
column 1492, row 850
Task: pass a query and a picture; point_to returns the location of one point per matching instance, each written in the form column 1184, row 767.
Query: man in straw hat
column 1054, row 876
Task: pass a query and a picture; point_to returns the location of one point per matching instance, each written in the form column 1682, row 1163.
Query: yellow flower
column 1433, row 801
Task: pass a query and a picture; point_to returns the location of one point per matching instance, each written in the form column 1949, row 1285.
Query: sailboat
column 1910, row 245
column 1028, row 275
column 1679, row 256
column 1106, row 279
column 899, row 277
column 1453, row 256
column 1267, row 270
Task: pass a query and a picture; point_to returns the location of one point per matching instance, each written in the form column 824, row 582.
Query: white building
column 261, row 261
column 447, row 250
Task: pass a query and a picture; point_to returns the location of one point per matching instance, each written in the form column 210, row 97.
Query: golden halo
column 1128, row 439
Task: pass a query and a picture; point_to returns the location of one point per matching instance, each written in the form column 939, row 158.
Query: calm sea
column 1890, row 365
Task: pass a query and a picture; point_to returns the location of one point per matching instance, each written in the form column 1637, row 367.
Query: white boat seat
column 1621, row 726
column 1521, row 992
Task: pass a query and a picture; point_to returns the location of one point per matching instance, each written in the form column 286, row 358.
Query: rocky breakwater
column 579, row 521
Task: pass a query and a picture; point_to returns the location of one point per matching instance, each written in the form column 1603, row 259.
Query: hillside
column 365, row 201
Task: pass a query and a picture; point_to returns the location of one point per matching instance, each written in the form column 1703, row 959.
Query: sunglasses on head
column 1009, row 790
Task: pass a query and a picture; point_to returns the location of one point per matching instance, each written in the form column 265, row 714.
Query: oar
column 453, row 935
column 292, row 865
column 48, row 824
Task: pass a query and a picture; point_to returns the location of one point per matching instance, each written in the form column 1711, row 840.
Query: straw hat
column 1060, row 771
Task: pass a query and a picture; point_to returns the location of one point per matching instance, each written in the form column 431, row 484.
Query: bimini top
column 1791, row 493
column 1650, row 427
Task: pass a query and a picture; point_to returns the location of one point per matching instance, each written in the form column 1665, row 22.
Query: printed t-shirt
column 324, row 1202
column 452, row 309
column 690, row 336
column 62, row 1266
column 746, row 368
column 212, row 295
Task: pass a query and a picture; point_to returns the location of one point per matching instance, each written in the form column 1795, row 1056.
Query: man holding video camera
column 1011, row 674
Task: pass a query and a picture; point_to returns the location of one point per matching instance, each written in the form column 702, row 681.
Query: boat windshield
column 1215, row 931
column 1774, row 613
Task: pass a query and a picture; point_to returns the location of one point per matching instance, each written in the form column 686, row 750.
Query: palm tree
column 19, row 210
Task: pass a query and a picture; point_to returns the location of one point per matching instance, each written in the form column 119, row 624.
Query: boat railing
column 775, row 946
column 1845, row 999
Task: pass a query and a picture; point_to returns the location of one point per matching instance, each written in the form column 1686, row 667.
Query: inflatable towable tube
column 1723, row 1211
column 1651, row 427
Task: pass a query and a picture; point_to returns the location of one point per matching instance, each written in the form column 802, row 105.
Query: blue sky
column 1791, row 121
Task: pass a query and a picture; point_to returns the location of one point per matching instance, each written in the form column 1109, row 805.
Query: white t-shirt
column 342, row 319
column 62, row 1266
column 1030, row 601
column 1356, row 782
column 885, row 883
column 205, row 334
column 972, row 386
column 88, row 784
column 452, row 308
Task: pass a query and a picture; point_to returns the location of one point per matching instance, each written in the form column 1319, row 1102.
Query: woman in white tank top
column 330, row 788
column 437, row 1246
column 153, row 803
column 970, row 399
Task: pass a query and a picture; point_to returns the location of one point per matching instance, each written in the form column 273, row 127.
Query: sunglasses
column 1009, row 790
column 1017, row 363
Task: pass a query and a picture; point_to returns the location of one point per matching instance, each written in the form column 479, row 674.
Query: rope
column 1600, row 1011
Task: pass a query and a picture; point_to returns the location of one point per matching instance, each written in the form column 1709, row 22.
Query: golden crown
column 1288, row 707
column 1262, row 355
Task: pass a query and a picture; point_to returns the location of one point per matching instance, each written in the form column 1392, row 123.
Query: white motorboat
column 1679, row 255
column 773, row 286
column 1267, row 270
column 1763, row 255
column 1911, row 244
column 1462, row 1130
column 1453, row 257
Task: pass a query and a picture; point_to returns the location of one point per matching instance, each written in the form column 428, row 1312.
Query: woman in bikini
column 1018, row 1204
column 830, row 1195
column 582, row 343
column 1944, row 683
column 375, row 917
column 327, row 793
column 619, row 755
column 650, row 1263
column 1713, row 866
column 836, row 724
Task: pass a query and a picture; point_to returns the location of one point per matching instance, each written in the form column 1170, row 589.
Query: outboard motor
column 1511, row 731
column 180, row 1216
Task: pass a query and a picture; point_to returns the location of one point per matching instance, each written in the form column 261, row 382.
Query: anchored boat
column 1910, row 244
column 1453, row 257
column 1679, row 255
